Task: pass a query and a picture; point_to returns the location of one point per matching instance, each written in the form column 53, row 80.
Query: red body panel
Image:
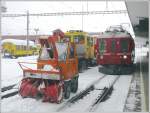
column 28, row 89
column 117, row 57
column 114, row 59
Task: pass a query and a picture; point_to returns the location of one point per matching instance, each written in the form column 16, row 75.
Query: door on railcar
column 113, row 51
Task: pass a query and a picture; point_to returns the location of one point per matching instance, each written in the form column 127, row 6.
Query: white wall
column 3, row 6
column 137, row 9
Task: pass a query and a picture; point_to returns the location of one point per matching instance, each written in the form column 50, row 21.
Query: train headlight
column 125, row 56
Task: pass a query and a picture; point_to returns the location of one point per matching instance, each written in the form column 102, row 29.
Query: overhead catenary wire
column 68, row 13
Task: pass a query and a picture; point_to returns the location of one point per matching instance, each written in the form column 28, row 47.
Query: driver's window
column 62, row 50
column 47, row 51
column 44, row 53
column 50, row 51
column 71, row 52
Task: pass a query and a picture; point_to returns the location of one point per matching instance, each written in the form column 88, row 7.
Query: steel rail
column 9, row 94
column 102, row 96
column 81, row 94
column 6, row 88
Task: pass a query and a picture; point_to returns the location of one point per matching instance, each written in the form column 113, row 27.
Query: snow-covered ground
column 141, row 48
column 12, row 73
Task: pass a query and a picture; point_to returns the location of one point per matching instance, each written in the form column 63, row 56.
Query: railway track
column 9, row 91
column 103, row 94
column 6, row 88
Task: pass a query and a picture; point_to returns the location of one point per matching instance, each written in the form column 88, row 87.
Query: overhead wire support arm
column 68, row 13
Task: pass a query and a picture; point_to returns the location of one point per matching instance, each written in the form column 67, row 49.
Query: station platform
column 142, row 71
column 142, row 66
column 145, row 78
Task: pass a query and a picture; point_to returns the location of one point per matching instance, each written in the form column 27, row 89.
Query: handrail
column 21, row 65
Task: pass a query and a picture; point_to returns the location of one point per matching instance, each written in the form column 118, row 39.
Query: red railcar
column 115, row 48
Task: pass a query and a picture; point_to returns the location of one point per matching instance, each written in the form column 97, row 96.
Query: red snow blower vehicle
column 55, row 75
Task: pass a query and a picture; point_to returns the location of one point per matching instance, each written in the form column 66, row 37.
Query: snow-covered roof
column 114, row 35
column 18, row 42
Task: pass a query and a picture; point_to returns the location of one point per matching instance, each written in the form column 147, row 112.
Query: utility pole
column 87, row 6
column 106, row 5
column 27, row 37
column 82, row 15
column 36, row 32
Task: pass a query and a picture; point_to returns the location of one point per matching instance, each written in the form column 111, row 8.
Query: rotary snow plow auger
column 55, row 75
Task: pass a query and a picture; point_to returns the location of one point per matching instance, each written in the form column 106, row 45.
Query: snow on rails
column 86, row 80
column 104, row 94
column 9, row 91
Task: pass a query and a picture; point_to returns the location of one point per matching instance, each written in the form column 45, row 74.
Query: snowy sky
column 91, row 23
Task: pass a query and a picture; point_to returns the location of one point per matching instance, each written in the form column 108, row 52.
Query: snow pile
column 18, row 42
column 85, row 79
column 11, row 72
column 49, row 68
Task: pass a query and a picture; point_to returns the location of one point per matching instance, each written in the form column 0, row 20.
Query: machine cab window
column 67, row 38
column 46, row 52
column 71, row 51
column 62, row 50
column 79, row 39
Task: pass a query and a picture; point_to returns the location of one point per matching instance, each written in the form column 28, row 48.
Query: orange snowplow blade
column 48, row 73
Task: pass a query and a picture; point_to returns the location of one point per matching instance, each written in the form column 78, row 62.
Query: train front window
column 102, row 46
column 78, row 39
column 113, row 46
column 124, row 45
column 67, row 38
